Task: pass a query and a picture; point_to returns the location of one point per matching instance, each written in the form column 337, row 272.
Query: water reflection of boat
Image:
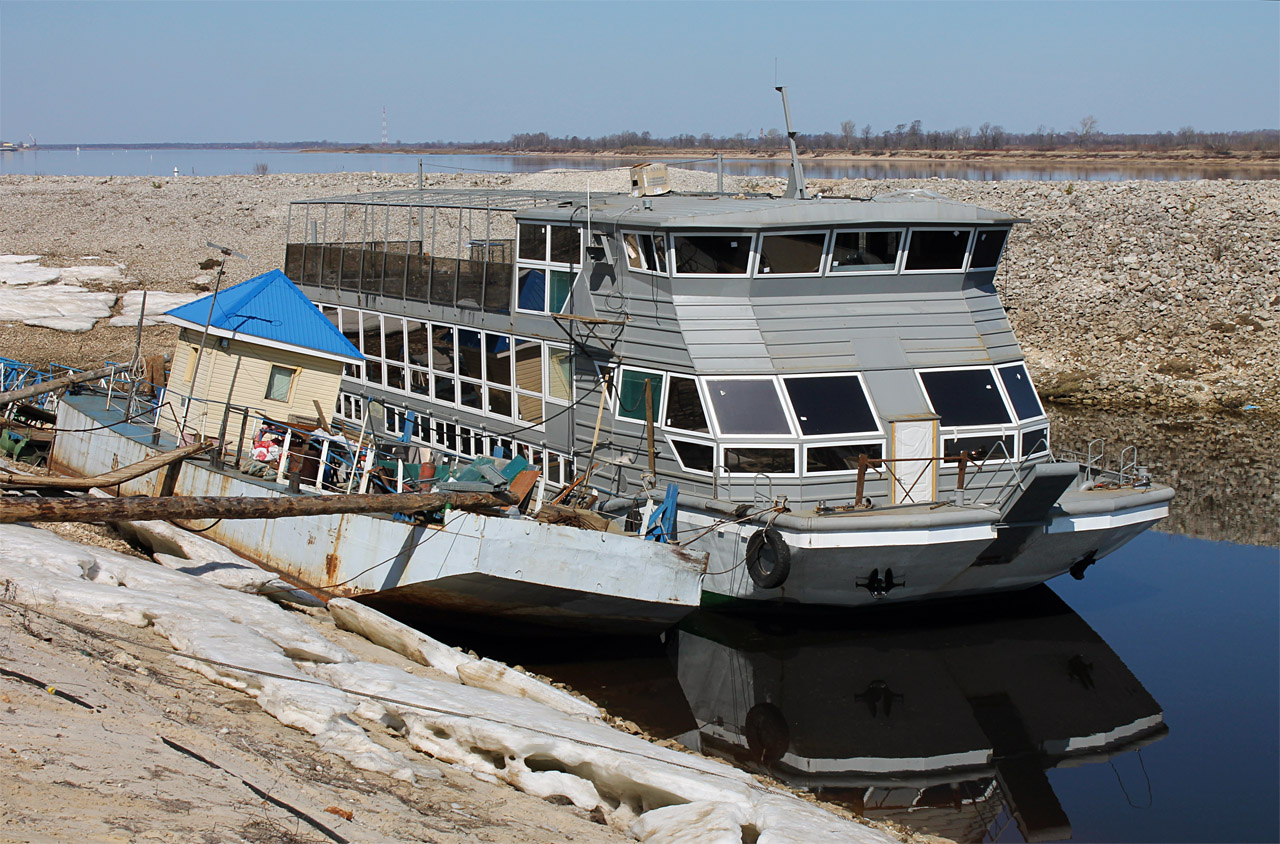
column 943, row 727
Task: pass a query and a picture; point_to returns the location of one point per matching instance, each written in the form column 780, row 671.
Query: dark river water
column 220, row 162
column 1140, row 704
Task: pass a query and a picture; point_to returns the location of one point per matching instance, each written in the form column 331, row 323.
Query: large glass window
column 791, row 254
column 712, row 254
column 631, row 392
column 937, row 249
column 839, row 458
column 830, row 404
column 986, row 248
column 866, row 252
column 684, row 406
column 1017, row 383
column 752, row 461
column 965, row 397
column 747, row 406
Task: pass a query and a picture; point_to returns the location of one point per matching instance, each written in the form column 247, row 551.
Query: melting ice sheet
column 659, row 795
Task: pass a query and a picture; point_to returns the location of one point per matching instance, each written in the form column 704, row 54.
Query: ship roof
column 695, row 210
column 271, row 310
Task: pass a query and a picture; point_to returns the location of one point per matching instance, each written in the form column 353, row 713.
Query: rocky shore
column 1158, row 295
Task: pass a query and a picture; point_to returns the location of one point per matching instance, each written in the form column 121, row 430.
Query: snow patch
column 157, row 303
column 18, row 275
column 65, row 307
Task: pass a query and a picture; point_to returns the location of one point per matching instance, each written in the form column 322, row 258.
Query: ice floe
column 65, row 307
column 157, row 303
column 20, row 275
column 245, row 642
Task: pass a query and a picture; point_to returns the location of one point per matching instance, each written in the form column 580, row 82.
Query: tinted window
column 986, row 248
column 791, row 253
column 865, row 252
column 713, row 254
column 752, row 461
column 1018, row 385
column 937, row 249
column 965, row 397
column 565, row 245
column 990, row 446
column 1035, row 442
column 697, row 456
column 839, row 458
column 747, row 407
column 631, row 403
column 498, row 359
column 684, row 406
column 830, row 405
column 533, row 242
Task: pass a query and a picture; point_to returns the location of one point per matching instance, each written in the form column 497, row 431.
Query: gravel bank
column 1123, row 294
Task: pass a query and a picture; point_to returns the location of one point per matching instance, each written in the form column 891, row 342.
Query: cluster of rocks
column 1126, row 294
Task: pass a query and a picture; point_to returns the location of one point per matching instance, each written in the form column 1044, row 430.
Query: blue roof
column 269, row 307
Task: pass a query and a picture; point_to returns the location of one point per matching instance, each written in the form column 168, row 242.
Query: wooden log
column 13, row 480
column 59, row 383
column 32, row 509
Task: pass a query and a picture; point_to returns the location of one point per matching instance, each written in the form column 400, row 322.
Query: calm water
column 1140, row 704
column 218, row 162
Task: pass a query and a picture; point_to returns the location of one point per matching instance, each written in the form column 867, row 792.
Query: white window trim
column 702, row 397
column 828, row 268
column 974, row 242
column 671, row 248
column 672, row 440
column 945, row 434
column 804, row 457
column 615, row 399
column 906, row 249
column 1048, row 441
column 782, row 400
column 986, row 426
column 792, row 447
column 1009, row 399
column 757, row 254
column 651, row 234
column 822, row 438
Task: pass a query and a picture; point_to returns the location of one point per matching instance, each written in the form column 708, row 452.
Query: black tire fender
column 766, row 732
column 768, row 558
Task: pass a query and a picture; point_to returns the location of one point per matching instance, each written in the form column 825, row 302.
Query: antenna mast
column 795, row 183
column 384, row 126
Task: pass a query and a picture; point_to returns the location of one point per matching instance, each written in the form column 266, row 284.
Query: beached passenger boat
column 829, row 388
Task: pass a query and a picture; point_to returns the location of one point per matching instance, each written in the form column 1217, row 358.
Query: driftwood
column 14, row 480
column 59, row 383
column 32, row 509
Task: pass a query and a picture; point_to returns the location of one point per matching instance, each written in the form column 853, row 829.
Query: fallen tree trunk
column 31, row 509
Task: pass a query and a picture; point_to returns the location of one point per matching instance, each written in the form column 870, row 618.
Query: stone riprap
column 1163, row 295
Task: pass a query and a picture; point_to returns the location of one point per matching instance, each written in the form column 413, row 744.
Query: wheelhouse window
column 694, row 456
column 980, row 446
column 1035, row 441
column 1017, row 383
column 965, row 397
column 831, row 404
column 987, row 246
column 936, row 250
column 684, row 406
column 757, row 460
column 867, row 251
column 712, row 254
column 548, row 256
column 631, row 392
column 830, row 459
column 647, row 252
column 791, row 254
column 747, row 406
column 533, row 242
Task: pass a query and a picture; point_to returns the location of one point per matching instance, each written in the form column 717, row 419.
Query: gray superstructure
column 832, row 383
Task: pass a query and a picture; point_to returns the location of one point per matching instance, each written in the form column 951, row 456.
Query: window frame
column 715, row 454
column 1009, row 399
column 652, row 235
column 964, row 262
column 714, row 416
column 999, row 255
column 672, row 263
column 294, row 376
column 999, row 429
column 822, row 438
column 804, row 456
column 615, row 395
column 757, row 254
column 898, row 262
column 794, row 448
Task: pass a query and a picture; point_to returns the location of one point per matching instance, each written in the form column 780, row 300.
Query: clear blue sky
column 132, row 72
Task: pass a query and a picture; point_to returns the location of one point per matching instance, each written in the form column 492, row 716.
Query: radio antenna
column 795, row 184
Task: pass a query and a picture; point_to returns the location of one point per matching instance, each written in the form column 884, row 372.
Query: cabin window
column 559, row 374
column 791, row 254
column 1017, row 383
column 712, row 254
column 830, row 404
column 497, row 349
column 986, row 248
column 558, row 292
column 754, row 461
column 935, row 250
column 280, row 382
column 393, row 338
column 684, row 406
column 965, row 397
column 747, row 406
column 566, row 245
column 1035, row 441
column 532, row 290
column 694, row 457
column 980, row 447
column 829, row 459
column 533, row 242
column 866, row 251
column 646, row 252
column 631, row 403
